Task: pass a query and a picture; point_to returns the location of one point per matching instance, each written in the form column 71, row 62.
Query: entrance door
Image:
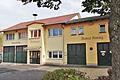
column 104, row 54
column 76, row 54
column 35, row 57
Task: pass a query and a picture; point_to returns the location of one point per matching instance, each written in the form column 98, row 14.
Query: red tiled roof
column 46, row 21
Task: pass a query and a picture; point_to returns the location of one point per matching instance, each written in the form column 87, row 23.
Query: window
column 55, row 54
column 73, row 31
column 50, row 54
column 10, row 36
column 55, row 32
column 81, row 30
column 35, row 33
column 60, row 54
column 22, row 35
column 102, row 29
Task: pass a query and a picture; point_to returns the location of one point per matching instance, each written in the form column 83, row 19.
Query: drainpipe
column 15, row 55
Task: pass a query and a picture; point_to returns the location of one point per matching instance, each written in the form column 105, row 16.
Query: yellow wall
column 34, row 42
column 16, row 41
column 54, row 43
column 46, row 43
column 91, row 37
column 37, row 43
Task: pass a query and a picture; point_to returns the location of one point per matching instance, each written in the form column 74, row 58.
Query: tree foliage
column 101, row 7
column 52, row 4
column 1, row 39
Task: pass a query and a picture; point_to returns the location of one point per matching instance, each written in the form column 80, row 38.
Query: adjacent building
column 62, row 40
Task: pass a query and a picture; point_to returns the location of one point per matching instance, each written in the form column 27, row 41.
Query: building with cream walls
column 59, row 40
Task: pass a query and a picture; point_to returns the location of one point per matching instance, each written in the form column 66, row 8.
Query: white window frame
column 23, row 35
column 33, row 31
column 81, row 30
column 57, row 52
column 73, row 31
column 100, row 28
column 51, row 32
column 8, row 36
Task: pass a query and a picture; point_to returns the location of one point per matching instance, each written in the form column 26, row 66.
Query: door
column 76, row 54
column 8, row 54
column 104, row 54
column 21, row 54
column 35, row 57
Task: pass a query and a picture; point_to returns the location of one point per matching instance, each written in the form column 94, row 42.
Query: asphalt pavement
column 36, row 72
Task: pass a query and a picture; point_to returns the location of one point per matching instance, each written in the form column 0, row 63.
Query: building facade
column 88, row 39
column 59, row 40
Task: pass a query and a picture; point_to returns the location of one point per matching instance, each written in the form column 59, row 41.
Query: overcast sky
column 13, row 11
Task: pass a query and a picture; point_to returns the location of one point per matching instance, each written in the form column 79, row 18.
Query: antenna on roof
column 35, row 15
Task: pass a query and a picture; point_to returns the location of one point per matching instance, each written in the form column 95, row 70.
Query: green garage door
column 21, row 55
column 104, row 54
column 8, row 54
column 76, row 54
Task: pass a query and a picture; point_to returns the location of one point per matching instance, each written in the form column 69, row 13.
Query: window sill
column 10, row 40
column 55, row 58
column 73, row 34
column 102, row 32
column 54, row 36
column 35, row 38
column 81, row 34
column 23, row 39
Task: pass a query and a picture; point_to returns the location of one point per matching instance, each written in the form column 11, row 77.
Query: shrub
column 109, row 71
column 65, row 74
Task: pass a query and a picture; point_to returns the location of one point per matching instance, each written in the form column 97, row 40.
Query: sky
column 13, row 12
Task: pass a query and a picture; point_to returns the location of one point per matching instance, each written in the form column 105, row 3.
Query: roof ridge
column 46, row 18
column 60, row 16
column 89, row 18
column 53, row 20
column 52, row 17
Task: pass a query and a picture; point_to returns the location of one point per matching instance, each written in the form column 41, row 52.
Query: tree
column 115, row 38
column 1, row 39
column 45, row 3
column 101, row 7
column 111, row 7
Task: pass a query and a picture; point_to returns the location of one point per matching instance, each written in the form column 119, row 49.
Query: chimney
column 35, row 15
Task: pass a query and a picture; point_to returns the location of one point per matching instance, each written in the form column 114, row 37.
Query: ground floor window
column 55, row 54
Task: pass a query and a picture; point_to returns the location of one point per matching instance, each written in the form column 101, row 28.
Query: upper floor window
column 22, row 35
column 10, row 36
column 35, row 33
column 102, row 29
column 73, row 31
column 55, row 32
column 81, row 30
